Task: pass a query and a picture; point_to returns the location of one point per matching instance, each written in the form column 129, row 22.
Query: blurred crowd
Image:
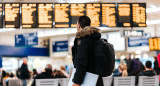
column 28, row 77
column 127, row 67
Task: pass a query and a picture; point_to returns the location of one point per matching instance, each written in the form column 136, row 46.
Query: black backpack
column 104, row 57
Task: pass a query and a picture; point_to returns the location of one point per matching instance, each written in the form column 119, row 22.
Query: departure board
column 76, row 10
column 154, row 43
column 12, row 15
column 45, row 15
column 29, row 15
column 124, row 15
column 139, row 15
column 108, row 15
column 93, row 11
column 1, row 15
column 61, row 15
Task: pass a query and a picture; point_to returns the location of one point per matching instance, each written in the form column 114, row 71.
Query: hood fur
column 87, row 31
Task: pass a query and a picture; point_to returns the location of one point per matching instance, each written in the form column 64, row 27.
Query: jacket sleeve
column 81, row 62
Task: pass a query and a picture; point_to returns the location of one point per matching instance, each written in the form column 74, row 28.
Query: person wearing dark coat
column 24, row 72
column 44, row 75
column 82, row 51
column 156, row 65
column 148, row 71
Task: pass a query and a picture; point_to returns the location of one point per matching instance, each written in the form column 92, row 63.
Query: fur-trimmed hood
column 88, row 31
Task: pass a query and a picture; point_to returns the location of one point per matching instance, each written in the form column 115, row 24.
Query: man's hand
column 76, row 85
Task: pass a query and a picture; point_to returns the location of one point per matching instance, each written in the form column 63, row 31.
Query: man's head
column 25, row 60
column 48, row 68
column 82, row 22
column 148, row 65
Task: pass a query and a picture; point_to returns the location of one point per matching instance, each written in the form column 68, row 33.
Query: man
column 82, row 50
column 148, row 71
column 44, row 75
column 24, row 72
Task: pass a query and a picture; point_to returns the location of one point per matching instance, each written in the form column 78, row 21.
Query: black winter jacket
column 43, row 75
column 24, row 72
column 146, row 73
column 82, row 53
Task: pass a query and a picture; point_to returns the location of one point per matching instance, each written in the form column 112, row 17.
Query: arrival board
column 76, row 10
column 1, row 15
column 61, row 15
column 12, row 15
column 29, row 15
column 45, row 15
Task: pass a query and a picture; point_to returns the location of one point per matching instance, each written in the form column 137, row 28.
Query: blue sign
column 29, row 39
column 139, row 41
column 60, row 46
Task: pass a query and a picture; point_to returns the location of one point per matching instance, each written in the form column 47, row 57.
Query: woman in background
column 122, row 70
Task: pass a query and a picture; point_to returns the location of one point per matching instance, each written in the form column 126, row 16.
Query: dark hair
column 148, row 64
column 11, row 75
column 155, row 57
column 84, row 21
column 35, row 72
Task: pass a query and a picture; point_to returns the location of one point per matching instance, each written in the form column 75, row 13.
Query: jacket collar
column 87, row 31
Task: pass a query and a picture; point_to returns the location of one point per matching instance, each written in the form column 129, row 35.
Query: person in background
column 7, row 75
column 158, row 58
column 63, row 70
column 156, row 65
column 148, row 71
column 44, row 75
column 128, row 61
column 142, row 68
column 24, row 72
column 59, row 74
column 11, row 77
column 34, row 73
column 122, row 70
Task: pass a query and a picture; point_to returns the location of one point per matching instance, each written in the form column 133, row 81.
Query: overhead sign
column 133, row 33
column 139, row 41
column 60, row 46
column 154, row 43
column 29, row 39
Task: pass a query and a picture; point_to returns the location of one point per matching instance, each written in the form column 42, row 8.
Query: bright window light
column 153, row 22
column 152, row 10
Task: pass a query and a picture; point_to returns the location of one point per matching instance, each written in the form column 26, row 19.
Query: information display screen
column 76, row 10
column 61, row 15
column 139, row 15
column 29, row 15
column 93, row 11
column 154, row 43
column 124, row 15
column 1, row 15
column 45, row 15
column 108, row 15
column 12, row 15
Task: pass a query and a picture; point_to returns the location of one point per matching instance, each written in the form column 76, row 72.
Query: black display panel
column 45, row 15
column 139, row 15
column 124, row 15
column 108, row 15
column 1, row 15
column 29, row 15
column 12, row 15
column 76, row 10
column 61, row 15
column 93, row 11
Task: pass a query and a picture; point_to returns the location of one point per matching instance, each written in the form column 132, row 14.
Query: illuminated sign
column 76, row 10
column 139, row 15
column 124, row 15
column 131, row 33
column 45, row 15
column 93, row 11
column 109, row 15
column 61, row 15
column 12, row 15
column 1, row 15
column 29, row 16
column 154, row 43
